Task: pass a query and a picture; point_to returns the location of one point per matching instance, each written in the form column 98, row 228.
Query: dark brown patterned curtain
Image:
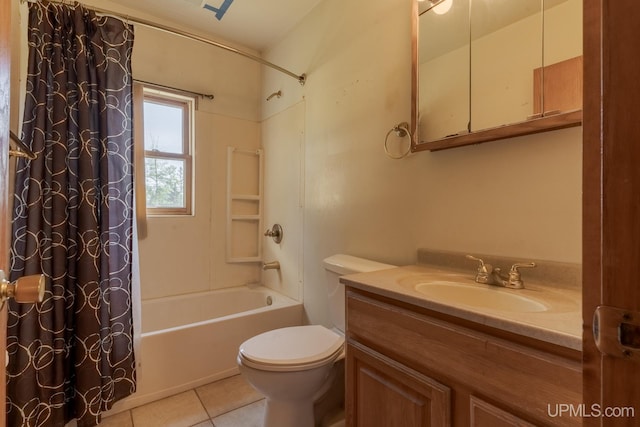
column 71, row 356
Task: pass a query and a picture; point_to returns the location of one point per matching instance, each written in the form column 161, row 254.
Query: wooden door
column 611, row 200
column 5, row 61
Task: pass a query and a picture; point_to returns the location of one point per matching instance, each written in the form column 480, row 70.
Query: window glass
column 163, row 127
column 165, row 181
column 168, row 162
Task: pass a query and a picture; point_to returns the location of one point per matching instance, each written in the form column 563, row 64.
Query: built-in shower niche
column 244, row 205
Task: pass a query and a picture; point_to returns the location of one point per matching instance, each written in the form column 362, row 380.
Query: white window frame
column 188, row 105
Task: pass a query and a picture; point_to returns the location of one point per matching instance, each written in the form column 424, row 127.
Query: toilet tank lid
column 347, row 264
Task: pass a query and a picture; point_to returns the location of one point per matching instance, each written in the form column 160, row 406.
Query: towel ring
column 402, row 130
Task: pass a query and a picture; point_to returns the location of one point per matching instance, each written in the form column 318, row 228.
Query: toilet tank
column 339, row 265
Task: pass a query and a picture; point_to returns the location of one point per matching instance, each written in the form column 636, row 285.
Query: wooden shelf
column 528, row 127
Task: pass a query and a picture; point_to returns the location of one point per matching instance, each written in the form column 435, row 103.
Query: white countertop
column 560, row 324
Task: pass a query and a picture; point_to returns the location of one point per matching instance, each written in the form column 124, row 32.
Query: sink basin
column 480, row 296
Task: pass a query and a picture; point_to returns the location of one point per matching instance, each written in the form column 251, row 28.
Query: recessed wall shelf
column 244, row 205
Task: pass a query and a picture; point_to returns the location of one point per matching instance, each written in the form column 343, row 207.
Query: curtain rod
column 24, row 151
column 202, row 95
column 302, row 78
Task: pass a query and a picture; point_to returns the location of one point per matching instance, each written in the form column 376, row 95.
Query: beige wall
column 187, row 254
column 283, row 142
column 519, row 197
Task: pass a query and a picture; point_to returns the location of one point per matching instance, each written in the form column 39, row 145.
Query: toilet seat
column 292, row 349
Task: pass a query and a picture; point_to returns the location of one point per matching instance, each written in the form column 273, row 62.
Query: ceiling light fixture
column 441, row 7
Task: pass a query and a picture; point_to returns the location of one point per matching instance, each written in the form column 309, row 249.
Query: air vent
column 218, row 10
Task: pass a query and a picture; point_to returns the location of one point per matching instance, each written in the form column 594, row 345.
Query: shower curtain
column 71, row 356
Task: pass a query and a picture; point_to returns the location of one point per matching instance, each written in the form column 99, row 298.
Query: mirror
column 506, row 48
column 443, row 70
column 562, row 72
column 494, row 69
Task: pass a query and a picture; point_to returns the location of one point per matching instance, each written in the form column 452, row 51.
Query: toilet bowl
column 291, row 367
column 294, row 366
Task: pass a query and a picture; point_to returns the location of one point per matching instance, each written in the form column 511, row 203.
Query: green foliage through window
column 165, row 183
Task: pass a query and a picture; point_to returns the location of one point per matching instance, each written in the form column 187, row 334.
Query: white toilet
column 294, row 366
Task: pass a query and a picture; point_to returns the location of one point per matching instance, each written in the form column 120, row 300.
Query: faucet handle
column 275, row 233
column 482, row 267
column 514, row 267
column 515, row 281
column 484, row 270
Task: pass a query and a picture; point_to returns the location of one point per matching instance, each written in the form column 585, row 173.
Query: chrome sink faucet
column 493, row 276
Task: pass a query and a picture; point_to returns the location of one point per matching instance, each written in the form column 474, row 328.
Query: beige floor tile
column 207, row 423
column 226, row 395
column 247, row 416
column 181, row 410
column 123, row 419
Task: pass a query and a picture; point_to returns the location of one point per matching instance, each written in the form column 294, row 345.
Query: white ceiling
column 256, row 24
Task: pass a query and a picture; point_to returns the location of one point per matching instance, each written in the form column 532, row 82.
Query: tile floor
column 230, row 402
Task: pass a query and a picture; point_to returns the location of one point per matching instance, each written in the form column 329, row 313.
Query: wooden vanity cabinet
column 408, row 366
column 387, row 393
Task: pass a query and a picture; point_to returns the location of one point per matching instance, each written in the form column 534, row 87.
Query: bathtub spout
column 274, row 265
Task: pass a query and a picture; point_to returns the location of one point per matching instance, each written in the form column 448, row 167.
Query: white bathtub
column 191, row 340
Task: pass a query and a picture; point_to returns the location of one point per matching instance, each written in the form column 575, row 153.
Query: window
column 168, row 162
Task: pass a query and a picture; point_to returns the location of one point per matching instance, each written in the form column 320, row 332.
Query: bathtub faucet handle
column 273, row 265
column 276, row 233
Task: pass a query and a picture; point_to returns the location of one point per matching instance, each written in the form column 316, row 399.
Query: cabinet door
column 484, row 414
column 385, row 393
column 493, row 366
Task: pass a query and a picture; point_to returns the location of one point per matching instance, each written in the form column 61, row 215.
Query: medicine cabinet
column 492, row 69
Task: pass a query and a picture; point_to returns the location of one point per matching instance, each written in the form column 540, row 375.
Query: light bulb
column 443, row 7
